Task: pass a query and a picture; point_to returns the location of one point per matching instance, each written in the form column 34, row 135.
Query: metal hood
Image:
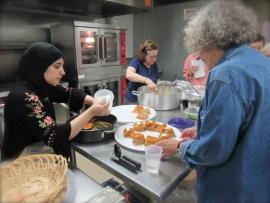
column 131, row 3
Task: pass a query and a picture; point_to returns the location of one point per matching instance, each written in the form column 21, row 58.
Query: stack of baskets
column 34, row 178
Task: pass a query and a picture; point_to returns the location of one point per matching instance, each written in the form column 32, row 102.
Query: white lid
column 104, row 93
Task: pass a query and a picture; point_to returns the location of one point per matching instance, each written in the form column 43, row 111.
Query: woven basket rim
column 34, row 178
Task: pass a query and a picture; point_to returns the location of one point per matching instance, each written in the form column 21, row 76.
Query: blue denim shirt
column 232, row 152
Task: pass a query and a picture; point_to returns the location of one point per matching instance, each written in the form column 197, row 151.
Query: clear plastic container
column 105, row 94
column 191, row 113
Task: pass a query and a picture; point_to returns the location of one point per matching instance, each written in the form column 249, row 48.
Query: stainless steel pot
column 166, row 97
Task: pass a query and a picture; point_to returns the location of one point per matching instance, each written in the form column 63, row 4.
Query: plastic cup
column 153, row 155
column 104, row 94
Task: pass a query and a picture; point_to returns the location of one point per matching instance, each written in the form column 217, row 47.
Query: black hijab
column 33, row 64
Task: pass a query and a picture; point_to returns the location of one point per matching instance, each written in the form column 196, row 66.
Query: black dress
column 30, row 118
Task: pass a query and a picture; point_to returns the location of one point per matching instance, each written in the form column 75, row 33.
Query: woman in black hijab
column 29, row 113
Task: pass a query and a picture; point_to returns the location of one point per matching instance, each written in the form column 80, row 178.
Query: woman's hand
column 150, row 84
column 189, row 133
column 192, row 70
column 88, row 100
column 97, row 109
column 169, row 147
column 100, row 108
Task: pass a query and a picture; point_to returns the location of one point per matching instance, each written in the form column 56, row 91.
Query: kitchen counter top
column 155, row 187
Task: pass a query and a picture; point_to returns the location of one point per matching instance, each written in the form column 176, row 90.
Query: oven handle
column 100, row 46
column 103, row 47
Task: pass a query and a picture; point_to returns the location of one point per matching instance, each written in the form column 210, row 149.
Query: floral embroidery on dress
column 36, row 110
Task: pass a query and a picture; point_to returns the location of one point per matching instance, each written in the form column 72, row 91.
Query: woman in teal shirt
column 142, row 70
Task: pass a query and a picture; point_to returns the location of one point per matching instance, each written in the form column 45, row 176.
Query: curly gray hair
column 220, row 24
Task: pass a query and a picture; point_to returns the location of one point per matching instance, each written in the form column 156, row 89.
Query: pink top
column 201, row 81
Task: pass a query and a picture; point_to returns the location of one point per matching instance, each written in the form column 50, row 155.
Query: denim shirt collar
column 230, row 52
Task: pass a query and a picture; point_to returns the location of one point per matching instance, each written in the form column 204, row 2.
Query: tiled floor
column 184, row 193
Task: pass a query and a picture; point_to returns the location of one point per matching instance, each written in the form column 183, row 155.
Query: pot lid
column 181, row 123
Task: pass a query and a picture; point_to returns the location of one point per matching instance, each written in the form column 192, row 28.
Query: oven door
column 113, row 84
column 87, row 47
column 110, row 52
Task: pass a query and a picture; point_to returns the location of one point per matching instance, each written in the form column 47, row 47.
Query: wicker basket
column 34, row 178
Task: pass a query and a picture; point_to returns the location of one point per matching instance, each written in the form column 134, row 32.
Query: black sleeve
column 72, row 96
column 42, row 126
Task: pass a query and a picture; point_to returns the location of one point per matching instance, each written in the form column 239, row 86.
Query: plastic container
column 105, row 94
column 191, row 113
column 153, row 155
column 181, row 123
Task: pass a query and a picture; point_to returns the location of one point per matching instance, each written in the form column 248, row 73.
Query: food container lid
column 181, row 123
column 104, row 93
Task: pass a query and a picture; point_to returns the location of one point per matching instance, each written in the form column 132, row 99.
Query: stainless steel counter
column 155, row 187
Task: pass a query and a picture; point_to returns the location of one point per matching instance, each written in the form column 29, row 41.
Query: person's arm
column 135, row 77
column 97, row 109
column 188, row 69
column 36, row 118
column 42, row 125
column 171, row 147
column 74, row 97
column 219, row 129
column 88, row 100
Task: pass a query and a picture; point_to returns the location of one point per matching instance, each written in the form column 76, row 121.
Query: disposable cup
column 105, row 94
column 153, row 155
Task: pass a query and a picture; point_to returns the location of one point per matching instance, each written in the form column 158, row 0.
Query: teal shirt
column 140, row 68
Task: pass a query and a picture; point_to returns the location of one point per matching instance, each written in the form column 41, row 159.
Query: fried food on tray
column 147, row 110
column 149, row 123
column 88, row 125
column 138, row 108
column 102, row 125
column 138, row 141
column 159, row 127
column 164, row 136
column 94, row 125
column 139, row 126
column 135, row 132
column 127, row 132
column 136, row 135
column 169, row 131
column 155, row 126
column 142, row 116
column 143, row 113
column 150, row 140
column 137, row 138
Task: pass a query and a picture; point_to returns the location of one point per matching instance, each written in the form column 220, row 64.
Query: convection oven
column 94, row 55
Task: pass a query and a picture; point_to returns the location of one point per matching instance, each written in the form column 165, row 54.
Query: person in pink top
column 195, row 71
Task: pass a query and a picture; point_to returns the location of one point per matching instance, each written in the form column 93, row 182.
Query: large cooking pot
column 98, row 135
column 166, row 97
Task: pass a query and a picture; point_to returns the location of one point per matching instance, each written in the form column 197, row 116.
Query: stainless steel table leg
column 73, row 157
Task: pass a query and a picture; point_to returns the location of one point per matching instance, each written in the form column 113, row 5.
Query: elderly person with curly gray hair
column 230, row 148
